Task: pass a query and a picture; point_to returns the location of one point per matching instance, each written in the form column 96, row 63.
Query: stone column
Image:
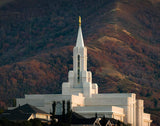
column 139, row 112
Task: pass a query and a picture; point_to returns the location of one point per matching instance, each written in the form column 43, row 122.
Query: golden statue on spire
column 79, row 20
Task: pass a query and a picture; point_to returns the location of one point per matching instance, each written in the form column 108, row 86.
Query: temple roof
column 21, row 113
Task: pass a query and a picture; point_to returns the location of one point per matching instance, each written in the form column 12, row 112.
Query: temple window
column 78, row 70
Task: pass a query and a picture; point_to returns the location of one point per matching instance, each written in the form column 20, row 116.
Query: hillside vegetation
column 122, row 37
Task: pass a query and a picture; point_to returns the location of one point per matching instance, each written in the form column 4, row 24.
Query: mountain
column 122, row 36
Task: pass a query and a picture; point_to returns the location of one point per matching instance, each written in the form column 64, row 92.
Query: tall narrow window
column 78, row 70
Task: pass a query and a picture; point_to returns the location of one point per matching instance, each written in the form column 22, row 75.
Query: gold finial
column 79, row 20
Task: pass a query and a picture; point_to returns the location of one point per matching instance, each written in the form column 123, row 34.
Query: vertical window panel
column 78, row 70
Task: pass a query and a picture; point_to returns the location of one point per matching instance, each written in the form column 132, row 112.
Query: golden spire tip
column 79, row 20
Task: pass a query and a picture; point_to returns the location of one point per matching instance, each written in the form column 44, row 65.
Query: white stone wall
column 43, row 102
column 113, row 99
column 139, row 112
column 94, row 88
column 126, row 101
column 66, row 88
column 71, row 78
column 87, row 89
column 82, row 51
column 131, row 114
column 77, row 101
column 123, row 106
column 146, row 119
column 107, row 111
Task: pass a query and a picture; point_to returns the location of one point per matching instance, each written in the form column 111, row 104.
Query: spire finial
column 80, row 42
column 79, row 20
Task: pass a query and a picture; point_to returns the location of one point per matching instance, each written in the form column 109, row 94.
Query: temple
column 84, row 97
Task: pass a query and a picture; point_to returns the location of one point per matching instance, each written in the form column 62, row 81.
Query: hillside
column 122, row 37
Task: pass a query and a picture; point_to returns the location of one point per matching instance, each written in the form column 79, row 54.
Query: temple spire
column 80, row 42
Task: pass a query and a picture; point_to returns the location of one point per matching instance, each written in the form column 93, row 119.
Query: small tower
column 80, row 80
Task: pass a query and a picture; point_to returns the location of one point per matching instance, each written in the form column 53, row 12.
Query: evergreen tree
column 53, row 113
column 69, row 112
column 96, row 115
column 63, row 111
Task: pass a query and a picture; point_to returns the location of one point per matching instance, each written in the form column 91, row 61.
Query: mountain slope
column 122, row 37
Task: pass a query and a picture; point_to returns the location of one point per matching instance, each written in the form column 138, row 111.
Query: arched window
column 78, row 70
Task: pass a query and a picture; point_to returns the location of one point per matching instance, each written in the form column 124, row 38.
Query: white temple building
column 84, row 96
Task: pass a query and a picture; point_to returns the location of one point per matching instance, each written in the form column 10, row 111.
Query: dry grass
column 105, row 38
column 108, row 69
column 125, row 31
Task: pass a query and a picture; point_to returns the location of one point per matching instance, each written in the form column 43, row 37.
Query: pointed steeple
column 80, row 42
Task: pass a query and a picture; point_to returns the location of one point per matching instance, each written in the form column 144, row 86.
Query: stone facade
column 84, row 96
